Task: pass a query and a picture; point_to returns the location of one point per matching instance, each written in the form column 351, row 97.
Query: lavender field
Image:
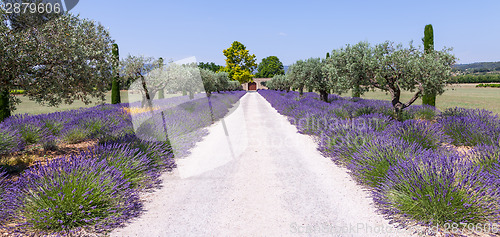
column 96, row 188
column 432, row 168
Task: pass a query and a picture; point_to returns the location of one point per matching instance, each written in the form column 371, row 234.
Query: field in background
column 459, row 95
column 31, row 107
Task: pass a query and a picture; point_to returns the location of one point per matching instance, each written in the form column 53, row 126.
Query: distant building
column 256, row 85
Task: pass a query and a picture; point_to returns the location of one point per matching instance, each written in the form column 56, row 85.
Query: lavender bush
column 426, row 134
column 7, row 198
column 371, row 161
column 376, row 121
column 10, row 141
column 159, row 154
column 485, row 156
column 343, row 139
column 471, row 127
column 133, row 164
column 75, row 191
column 76, row 135
column 424, row 112
column 437, row 188
column 50, row 143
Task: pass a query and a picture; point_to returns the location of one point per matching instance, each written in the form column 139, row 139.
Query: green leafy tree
column 314, row 78
column 239, row 62
column 393, row 68
column 209, row 79
column 222, row 81
column 210, row 66
column 346, row 63
column 234, row 85
column 297, row 75
column 62, row 60
column 269, row 67
column 151, row 77
column 216, row 81
column 115, row 87
column 336, row 71
column 185, row 78
column 279, row 82
column 310, row 74
column 429, row 98
column 192, row 83
column 6, row 60
column 147, row 70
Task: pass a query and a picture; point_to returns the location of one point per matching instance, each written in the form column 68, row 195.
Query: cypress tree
column 4, row 104
column 161, row 92
column 115, row 85
column 429, row 99
column 327, row 55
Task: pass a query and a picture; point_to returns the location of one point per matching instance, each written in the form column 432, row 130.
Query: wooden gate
column 252, row 86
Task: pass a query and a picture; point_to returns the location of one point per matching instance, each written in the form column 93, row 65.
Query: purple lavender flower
column 58, row 179
column 7, row 198
column 471, row 127
column 426, row 134
column 10, row 141
column 371, row 161
column 437, row 188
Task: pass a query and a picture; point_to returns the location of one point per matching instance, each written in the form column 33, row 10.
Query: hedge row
column 489, row 85
column 17, row 92
column 476, row 78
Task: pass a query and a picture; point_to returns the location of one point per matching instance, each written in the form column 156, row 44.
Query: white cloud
column 282, row 34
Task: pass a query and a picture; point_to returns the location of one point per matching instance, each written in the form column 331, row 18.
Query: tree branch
column 415, row 97
column 375, row 83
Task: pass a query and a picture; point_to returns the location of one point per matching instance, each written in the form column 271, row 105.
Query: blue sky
column 293, row 30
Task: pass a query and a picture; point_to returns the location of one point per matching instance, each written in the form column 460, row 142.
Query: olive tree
column 147, row 71
column 63, row 60
column 394, row 68
column 234, row 85
column 356, row 70
column 314, row 78
column 209, row 79
column 279, row 82
column 297, row 75
column 192, row 82
column 335, row 69
column 222, row 81
column 310, row 74
column 184, row 77
column 346, row 71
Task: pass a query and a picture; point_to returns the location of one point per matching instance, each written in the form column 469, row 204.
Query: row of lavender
column 96, row 189
column 431, row 169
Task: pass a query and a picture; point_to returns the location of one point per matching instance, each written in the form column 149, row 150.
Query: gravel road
column 263, row 179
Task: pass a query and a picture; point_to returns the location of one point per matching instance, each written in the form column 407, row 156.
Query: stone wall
column 258, row 81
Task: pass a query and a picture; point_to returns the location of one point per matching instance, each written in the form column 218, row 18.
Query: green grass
column 459, row 95
column 17, row 92
column 489, row 85
column 31, row 107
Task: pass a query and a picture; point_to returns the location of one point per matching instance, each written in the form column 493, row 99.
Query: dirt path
column 272, row 182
